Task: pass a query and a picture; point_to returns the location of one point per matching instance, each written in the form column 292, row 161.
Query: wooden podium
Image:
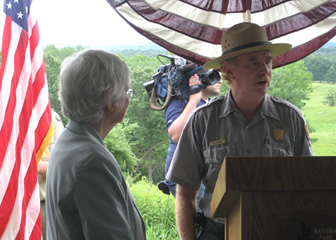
column 277, row 198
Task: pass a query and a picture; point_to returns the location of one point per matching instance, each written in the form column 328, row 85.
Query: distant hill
column 149, row 50
column 329, row 44
column 141, row 47
column 153, row 49
column 327, row 50
column 145, row 50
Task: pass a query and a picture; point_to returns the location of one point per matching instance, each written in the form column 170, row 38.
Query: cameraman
column 176, row 115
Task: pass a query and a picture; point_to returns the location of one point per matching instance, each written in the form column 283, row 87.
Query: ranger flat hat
column 244, row 38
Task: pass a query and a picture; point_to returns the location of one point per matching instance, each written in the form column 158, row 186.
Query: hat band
column 250, row 45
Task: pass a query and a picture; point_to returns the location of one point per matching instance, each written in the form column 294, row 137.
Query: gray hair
column 233, row 64
column 90, row 80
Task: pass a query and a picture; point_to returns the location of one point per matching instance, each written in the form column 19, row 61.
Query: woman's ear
column 110, row 107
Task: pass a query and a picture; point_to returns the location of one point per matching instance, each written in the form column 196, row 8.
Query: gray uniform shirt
column 219, row 129
column 87, row 196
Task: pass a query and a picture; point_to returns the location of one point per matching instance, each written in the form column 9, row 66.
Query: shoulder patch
column 217, row 98
column 307, row 132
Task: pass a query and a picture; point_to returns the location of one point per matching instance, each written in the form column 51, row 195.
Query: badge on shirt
column 278, row 134
column 213, row 143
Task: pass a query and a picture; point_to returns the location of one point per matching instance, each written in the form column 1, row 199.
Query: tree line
column 322, row 64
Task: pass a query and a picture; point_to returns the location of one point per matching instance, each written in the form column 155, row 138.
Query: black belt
column 214, row 228
column 209, row 226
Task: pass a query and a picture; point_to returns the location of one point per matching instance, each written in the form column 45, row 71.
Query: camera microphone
column 171, row 58
column 189, row 69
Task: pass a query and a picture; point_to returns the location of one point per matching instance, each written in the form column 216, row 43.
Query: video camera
column 173, row 80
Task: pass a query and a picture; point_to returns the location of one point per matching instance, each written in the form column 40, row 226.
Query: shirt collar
column 228, row 105
column 267, row 107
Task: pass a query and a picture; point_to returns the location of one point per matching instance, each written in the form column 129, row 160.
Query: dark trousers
column 44, row 219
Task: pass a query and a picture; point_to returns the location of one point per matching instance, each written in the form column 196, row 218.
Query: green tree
column 292, row 82
column 330, row 99
column 331, row 75
column 318, row 65
column 150, row 137
column 52, row 65
column 117, row 141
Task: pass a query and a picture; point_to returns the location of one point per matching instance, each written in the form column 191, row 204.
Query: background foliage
column 150, row 136
column 157, row 209
column 120, row 134
column 292, row 82
column 322, row 118
column 321, row 62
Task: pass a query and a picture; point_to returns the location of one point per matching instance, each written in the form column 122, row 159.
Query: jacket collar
column 84, row 129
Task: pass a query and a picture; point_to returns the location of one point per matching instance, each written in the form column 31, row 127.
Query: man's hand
column 196, row 97
column 42, row 168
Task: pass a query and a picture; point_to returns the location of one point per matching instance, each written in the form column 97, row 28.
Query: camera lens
column 210, row 78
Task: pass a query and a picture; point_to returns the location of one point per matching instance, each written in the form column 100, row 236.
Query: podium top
column 253, row 174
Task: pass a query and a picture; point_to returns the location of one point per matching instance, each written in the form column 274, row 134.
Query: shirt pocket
column 213, row 159
column 216, row 154
column 276, row 151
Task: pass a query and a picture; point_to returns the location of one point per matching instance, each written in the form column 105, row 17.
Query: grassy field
column 321, row 118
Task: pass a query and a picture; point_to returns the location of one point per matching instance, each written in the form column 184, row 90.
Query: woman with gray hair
column 87, row 196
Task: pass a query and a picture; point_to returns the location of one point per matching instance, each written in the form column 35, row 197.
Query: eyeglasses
column 130, row 93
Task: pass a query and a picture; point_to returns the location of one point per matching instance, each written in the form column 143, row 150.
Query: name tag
column 217, row 142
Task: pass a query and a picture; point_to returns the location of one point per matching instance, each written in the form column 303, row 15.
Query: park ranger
column 244, row 122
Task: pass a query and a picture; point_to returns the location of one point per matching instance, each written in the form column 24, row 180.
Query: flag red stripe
column 36, row 233
column 34, row 40
column 24, row 125
column 4, row 53
column 29, row 185
column 296, row 53
column 6, row 39
column 38, row 85
column 46, row 117
column 10, row 196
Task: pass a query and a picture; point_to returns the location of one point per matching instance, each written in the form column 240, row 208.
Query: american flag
column 25, row 121
column 193, row 29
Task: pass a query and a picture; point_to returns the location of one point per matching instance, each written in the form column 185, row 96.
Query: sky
column 83, row 22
